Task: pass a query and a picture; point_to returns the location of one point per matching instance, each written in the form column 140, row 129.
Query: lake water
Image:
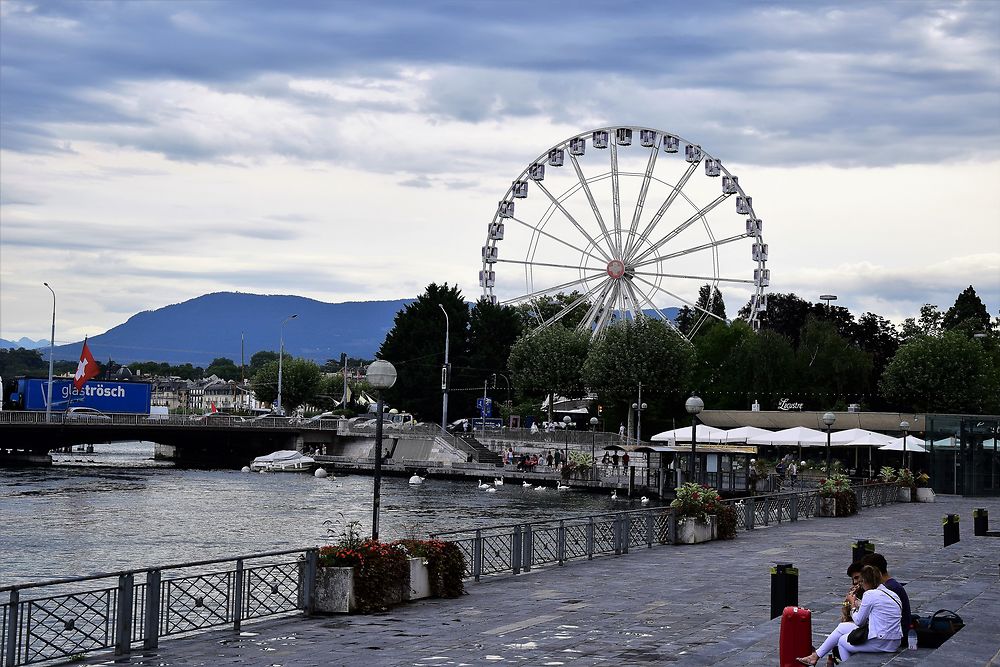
column 118, row 509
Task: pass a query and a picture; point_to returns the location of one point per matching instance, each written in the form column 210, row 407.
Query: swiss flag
column 86, row 369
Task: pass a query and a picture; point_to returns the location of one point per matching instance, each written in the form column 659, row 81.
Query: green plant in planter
column 445, row 565
column 887, row 474
column 922, row 480
column 838, row 486
column 696, row 501
column 905, row 478
column 381, row 571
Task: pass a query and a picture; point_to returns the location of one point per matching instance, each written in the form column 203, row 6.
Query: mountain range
column 24, row 342
column 213, row 325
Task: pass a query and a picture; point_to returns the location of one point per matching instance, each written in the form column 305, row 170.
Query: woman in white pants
column 880, row 607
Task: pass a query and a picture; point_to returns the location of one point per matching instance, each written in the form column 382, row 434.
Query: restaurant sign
column 786, row 404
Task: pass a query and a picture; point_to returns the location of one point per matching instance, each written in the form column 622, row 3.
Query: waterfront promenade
column 685, row 605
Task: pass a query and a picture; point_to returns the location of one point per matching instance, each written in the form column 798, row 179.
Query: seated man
column 878, row 561
column 854, row 572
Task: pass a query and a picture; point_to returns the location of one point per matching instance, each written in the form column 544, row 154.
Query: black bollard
column 980, row 521
column 860, row 549
column 784, row 588
column 951, row 535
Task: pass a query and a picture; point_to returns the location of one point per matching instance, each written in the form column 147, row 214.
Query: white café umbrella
column 800, row 436
column 859, row 437
column 913, row 444
column 744, row 433
column 703, row 433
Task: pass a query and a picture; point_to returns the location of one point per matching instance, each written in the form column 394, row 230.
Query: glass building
column 964, row 456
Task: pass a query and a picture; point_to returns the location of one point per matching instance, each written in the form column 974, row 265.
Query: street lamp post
column 694, row 406
column 566, row 421
column 905, row 427
column 445, row 372
column 828, row 419
column 281, row 355
column 52, row 345
column 828, row 298
column 381, row 375
column 593, row 448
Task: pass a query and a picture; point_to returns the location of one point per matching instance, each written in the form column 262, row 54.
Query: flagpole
column 52, row 347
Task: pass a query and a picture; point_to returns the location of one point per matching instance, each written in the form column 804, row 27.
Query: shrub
column 696, row 500
column 833, row 485
column 445, row 565
column 847, row 503
column 727, row 518
column 905, row 478
column 381, row 572
column 887, row 474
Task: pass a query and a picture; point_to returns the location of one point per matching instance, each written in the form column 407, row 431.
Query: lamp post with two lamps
column 828, row 419
column 281, row 355
column 52, row 346
column 381, row 375
column 694, row 406
column 445, row 372
column 638, row 406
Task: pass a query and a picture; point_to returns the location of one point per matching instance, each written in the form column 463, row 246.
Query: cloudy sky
column 156, row 151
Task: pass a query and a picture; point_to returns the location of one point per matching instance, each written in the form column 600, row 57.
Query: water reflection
column 123, row 511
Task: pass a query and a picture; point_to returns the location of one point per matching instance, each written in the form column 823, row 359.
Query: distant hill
column 204, row 328
column 26, row 343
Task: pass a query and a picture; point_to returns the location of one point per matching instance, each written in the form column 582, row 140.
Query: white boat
column 283, row 461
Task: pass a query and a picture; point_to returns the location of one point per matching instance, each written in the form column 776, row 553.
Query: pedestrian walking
column 625, row 461
column 614, row 462
column 558, row 458
column 793, row 472
column 621, row 432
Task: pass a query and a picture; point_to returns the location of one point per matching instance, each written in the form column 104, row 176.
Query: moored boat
column 283, row 461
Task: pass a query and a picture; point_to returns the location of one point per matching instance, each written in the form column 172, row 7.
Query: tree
column 878, row 337
column 299, row 382
column 415, row 346
column 493, row 330
column 260, row 359
column 630, row 352
column 968, row 313
column 949, row 373
column 22, row 361
column 540, row 309
column 830, row 364
column 785, row 315
column 709, row 299
column 549, row 360
column 929, row 323
column 224, row 368
column 722, row 372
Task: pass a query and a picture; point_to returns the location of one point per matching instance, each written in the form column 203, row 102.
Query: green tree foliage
column 549, row 360
column 415, row 346
column 540, row 309
column 21, row 361
column 223, row 368
column 948, row 373
column 260, row 359
column 929, row 323
column 829, row 364
column 785, row 315
column 630, row 352
column 709, row 299
column 968, row 313
column 493, row 330
column 300, row 381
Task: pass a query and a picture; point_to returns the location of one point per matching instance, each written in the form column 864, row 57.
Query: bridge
column 26, row 437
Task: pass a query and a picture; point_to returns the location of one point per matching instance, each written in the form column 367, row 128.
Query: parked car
column 315, row 419
column 82, row 414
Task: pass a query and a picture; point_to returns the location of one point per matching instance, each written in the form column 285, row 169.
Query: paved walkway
column 681, row 605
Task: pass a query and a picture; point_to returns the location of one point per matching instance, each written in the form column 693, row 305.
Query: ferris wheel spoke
column 590, row 198
column 548, row 290
column 681, row 299
column 688, row 251
column 645, row 297
column 641, row 199
column 737, row 281
column 616, row 198
column 609, row 309
column 595, row 307
column 567, row 309
column 636, row 308
column 680, row 228
column 569, row 216
column 674, row 193
column 559, row 240
column 575, row 267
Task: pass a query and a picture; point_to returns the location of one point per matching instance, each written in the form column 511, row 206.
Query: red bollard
column 796, row 635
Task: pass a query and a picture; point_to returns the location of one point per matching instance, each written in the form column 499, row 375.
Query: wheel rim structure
column 635, row 220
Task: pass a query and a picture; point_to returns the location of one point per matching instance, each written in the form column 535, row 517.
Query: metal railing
column 216, row 420
column 513, row 548
column 65, row 618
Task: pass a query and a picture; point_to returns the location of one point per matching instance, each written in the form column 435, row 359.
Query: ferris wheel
column 620, row 223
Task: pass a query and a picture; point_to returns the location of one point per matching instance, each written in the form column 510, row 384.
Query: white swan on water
column 526, row 485
column 614, row 494
column 481, row 485
column 416, row 479
column 644, row 500
column 498, row 481
column 561, row 487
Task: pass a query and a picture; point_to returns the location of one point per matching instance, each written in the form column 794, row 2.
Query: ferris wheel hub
column 616, row 268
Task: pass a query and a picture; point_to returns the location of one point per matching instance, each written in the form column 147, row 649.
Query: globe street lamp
column 566, row 421
column 593, row 447
column 52, row 344
column 828, row 419
column 281, row 355
column 904, row 426
column 381, row 375
column 694, row 406
column 445, row 371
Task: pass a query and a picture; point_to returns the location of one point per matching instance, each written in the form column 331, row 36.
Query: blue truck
column 121, row 397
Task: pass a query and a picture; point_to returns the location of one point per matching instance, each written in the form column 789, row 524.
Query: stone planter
column 925, row 494
column 905, row 495
column 694, row 531
column 827, row 507
column 334, row 593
